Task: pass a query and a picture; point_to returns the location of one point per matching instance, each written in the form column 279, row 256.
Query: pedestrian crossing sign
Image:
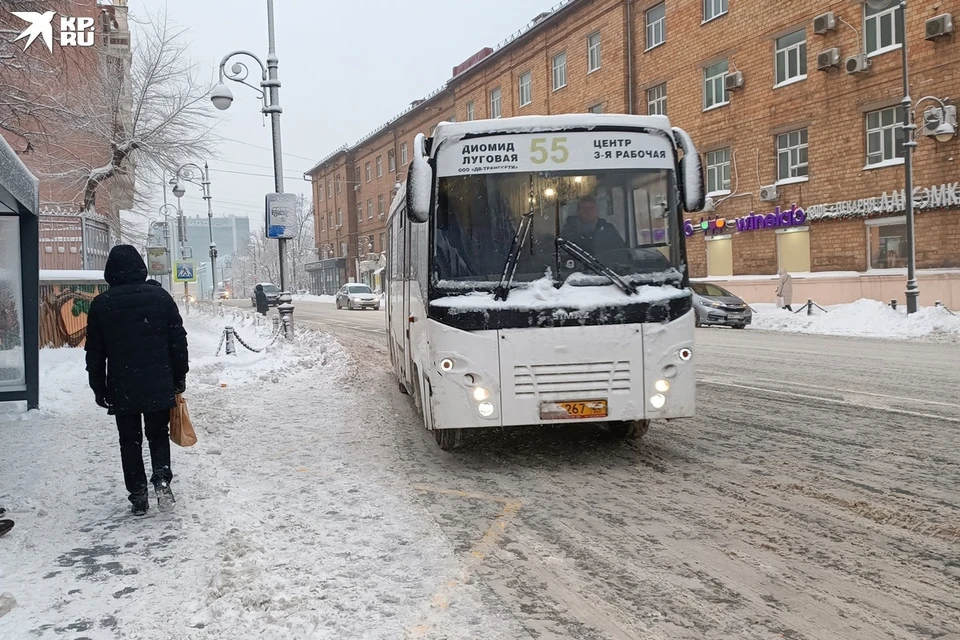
column 184, row 271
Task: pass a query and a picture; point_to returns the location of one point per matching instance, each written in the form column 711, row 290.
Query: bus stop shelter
column 19, row 281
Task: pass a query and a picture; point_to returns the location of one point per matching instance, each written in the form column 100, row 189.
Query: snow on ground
column 864, row 318
column 312, row 298
column 292, row 521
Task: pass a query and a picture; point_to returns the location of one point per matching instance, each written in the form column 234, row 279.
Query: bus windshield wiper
column 595, row 265
column 510, row 267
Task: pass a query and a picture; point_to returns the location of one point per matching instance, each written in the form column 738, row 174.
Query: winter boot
column 140, row 502
column 5, row 526
column 165, row 499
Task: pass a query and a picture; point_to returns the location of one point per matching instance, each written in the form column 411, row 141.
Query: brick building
column 764, row 90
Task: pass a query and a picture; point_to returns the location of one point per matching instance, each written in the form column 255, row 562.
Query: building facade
column 794, row 106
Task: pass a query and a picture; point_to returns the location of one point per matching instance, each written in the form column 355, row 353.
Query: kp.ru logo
column 74, row 32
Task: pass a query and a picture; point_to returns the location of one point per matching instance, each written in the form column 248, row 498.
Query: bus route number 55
column 558, row 151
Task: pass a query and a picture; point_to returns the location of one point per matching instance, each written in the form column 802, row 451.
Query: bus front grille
column 569, row 380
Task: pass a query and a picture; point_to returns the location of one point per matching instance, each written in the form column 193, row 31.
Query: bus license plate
column 574, row 410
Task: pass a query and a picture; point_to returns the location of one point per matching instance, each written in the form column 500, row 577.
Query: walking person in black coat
column 137, row 362
column 261, row 296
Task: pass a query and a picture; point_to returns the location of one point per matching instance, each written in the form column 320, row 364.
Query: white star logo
column 41, row 24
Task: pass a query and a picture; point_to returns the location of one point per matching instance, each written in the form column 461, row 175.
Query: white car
column 357, row 296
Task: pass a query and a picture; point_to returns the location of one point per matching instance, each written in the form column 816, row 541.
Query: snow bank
column 312, row 298
column 541, row 294
column 864, row 318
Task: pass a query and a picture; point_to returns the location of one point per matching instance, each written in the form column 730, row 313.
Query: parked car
column 223, row 294
column 357, row 296
column 715, row 305
column 272, row 291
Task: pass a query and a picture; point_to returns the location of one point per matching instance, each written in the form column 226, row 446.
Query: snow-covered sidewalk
column 294, row 519
column 863, row 318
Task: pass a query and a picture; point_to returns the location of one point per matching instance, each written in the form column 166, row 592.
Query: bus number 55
column 539, row 153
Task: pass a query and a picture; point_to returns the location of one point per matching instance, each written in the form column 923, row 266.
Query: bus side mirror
column 419, row 183
column 691, row 172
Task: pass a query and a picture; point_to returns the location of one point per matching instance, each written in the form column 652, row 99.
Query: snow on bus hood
column 541, row 294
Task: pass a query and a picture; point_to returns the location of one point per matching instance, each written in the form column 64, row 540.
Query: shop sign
column 793, row 217
column 943, row 196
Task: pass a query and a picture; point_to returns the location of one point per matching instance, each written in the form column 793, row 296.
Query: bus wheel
column 448, row 439
column 631, row 429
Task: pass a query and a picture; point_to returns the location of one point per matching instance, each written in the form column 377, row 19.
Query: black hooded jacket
column 136, row 343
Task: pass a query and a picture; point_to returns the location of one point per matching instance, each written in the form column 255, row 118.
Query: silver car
column 716, row 306
column 357, row 296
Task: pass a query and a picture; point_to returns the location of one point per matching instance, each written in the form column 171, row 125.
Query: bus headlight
column 658, row 401
column 662, row 386
column 480, row 394
column 485, row 409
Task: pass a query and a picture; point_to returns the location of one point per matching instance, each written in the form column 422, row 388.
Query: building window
column 319, row 192
column 597, row 108
column 792, row 156
column 495, row 103
column 383, row 242
column 379, row 166
column 330, row 221
column 791, row 57
column 593, row 52
column 884, row 137
column 323, row 223
column 713, row 9
column 370, row 208
column 656, row 25
column 380, row 210
column 343, row 249
column 391, row 161
column 718, row 172
column 657, row 100
column 471, row 111
column 338, row 183
column 887, row 242
column 560, row 71
column 719, row 256
column 359, row 212
column 403, row 153
column 329, row 189
column 339, row 218
column 793, row 249
column 366, row 169
column 714, row 93
column 526, row 88
column 882, row 28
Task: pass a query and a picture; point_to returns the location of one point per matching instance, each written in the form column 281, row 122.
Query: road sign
column 158, row 261
column 281, row 215
column 184, row 271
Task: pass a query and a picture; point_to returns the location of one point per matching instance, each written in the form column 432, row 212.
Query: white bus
column 536, row 273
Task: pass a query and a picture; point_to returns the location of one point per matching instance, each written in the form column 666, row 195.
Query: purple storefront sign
column 780, row 218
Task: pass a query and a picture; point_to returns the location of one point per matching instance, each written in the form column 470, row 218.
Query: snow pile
column 542, row 294
column 312, row 298
column 864, row 318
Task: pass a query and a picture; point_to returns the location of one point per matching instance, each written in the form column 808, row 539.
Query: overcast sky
column 345, row 69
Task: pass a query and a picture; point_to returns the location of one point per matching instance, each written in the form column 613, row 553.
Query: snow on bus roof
column 532, row 124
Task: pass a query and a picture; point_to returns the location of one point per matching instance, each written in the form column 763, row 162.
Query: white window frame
column 801, row 52
column 360, row 212
column 369, row 174
column 369, row 208
column 875, row 19
column 323, row 224
column 656, row 28
column 789, row 150
column 471, row 111
column 720, row 6
column 893, row 161
column 526, row 88
column 404, row 158
column 714, row 167
column 593, row 52
column 391, row 161
column 339, row 183
column 339, row 217
column 496, row 103
column 379, row 166
column 717, row 80
column 560, row 71
column 329, row 189
column 380, row 209
column 660, row 101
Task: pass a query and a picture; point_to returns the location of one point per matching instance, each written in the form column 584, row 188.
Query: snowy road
column 815, row 497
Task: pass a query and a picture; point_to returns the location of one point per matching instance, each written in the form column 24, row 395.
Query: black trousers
column 156, row 425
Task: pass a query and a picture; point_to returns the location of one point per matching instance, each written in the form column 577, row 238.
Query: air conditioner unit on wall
column 859, row 63
column 824, row 22
column 828, row 58
column 769, row 193
column 733, row 81
column 939, row 26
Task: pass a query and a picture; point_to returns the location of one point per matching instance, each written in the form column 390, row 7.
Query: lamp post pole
column 185, row 172
column 913, row 288
column 166, row 236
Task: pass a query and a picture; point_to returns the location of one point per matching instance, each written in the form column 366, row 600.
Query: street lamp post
column 166, row 236
column 185, row 172
column 269, row 91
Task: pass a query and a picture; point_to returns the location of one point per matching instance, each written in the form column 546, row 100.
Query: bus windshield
column 622, row 218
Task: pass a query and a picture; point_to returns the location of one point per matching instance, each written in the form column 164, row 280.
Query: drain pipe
column 629, row 18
